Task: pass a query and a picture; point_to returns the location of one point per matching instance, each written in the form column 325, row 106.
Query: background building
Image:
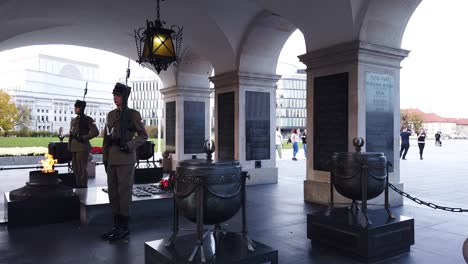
column 291, row 109
column 147, row 99
column 433, row 123
column 49, row 87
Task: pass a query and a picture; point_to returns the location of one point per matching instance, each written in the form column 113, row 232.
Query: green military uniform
column 119, row 157
column 121, row 164
column 79, row 146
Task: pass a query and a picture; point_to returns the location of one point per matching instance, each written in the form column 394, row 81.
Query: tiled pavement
column 276, row 216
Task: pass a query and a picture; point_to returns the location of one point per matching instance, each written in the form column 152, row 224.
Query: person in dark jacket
column 304, row 142
column 405, row 134
column 421, row 142
column 438, row 143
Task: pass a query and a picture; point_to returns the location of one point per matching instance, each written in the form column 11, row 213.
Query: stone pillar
column 187, row 122
column 353, row 90
column 245, row 122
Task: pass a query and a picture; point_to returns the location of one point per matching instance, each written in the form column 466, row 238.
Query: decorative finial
column 60, row 134
column 209, row 148
column 358, row 142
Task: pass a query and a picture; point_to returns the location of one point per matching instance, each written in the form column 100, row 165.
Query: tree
column 23, row 117
column 410, row 120
column 8, row 112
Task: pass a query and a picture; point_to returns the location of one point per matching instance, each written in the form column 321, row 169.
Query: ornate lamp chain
column 157, row 11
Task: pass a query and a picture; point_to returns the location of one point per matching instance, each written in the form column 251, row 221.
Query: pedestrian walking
column 279, row 142
column 405, row 134
column 438, row 143
column 304, row 142
column 421, row 142
column 294, row 140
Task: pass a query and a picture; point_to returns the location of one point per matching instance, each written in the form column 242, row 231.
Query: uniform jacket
column 88, row 132
column 111, row 150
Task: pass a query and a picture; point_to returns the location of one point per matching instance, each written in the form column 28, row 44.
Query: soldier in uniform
column 119, row 157
column 82, row 129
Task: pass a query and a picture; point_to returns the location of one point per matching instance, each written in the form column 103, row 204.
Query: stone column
column 187, row 122
column 245, row 122
column 353, row 90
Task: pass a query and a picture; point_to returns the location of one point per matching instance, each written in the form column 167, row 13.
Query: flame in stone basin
column 48, row 163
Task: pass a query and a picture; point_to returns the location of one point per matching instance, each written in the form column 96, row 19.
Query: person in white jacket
column 279, row 142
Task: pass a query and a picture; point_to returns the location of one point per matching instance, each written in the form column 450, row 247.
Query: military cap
column 80, row 104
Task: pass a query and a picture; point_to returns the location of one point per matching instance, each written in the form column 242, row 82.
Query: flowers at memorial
column 29, row 151
column 96, row 150
column 167, row 183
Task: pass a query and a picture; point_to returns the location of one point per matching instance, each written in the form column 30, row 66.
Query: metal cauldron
column 221, row 182
column 145, row 151
column 347, row 169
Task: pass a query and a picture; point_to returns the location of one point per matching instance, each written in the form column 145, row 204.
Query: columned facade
column 187, row 122
column 352, row 91
column 245, row 122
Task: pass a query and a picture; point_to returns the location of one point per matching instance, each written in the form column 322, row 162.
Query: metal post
column 175, row 221
column 250, row 243
column 332, row 197
column 364, row 172
column 200, row 236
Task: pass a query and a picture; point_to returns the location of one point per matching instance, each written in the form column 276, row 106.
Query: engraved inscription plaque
column 225, row 146
column 330, row 118
column 194, row 127
column 170, row 126
column 257, row 125
column 379, row 114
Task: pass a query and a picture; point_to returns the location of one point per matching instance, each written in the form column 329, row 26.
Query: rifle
column 124, row 118
column 83, row 124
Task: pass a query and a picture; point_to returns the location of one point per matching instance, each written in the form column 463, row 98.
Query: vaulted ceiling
column 241, row 35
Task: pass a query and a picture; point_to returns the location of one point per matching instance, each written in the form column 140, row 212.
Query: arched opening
column 433, row 93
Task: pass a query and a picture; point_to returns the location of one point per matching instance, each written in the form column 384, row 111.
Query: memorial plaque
column 194, row 127
column 170, row 126
column 225, row 146
column 379, row 114
column 257, row 125
column 330, row 118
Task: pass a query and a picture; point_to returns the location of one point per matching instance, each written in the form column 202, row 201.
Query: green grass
column 21, row 142
column 289, row 145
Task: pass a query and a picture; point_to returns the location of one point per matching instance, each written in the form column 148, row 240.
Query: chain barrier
column 431, row 205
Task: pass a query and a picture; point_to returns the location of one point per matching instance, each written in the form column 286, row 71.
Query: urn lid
column 208, row 163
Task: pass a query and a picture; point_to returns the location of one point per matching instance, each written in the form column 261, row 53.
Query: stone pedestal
column 352, row 91
column 245, row 122
column 343, row 231
column 40, row 211
column 229, row 248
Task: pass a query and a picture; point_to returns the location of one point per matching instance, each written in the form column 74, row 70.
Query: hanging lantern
column 155, row 44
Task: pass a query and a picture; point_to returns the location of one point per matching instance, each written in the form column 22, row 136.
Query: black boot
column 122, row 231
column 117, row 223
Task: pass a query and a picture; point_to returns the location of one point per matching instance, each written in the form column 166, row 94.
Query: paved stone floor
column 276, row 216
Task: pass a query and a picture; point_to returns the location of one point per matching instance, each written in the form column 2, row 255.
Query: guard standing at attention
column 123, row 134
column 82, row 129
